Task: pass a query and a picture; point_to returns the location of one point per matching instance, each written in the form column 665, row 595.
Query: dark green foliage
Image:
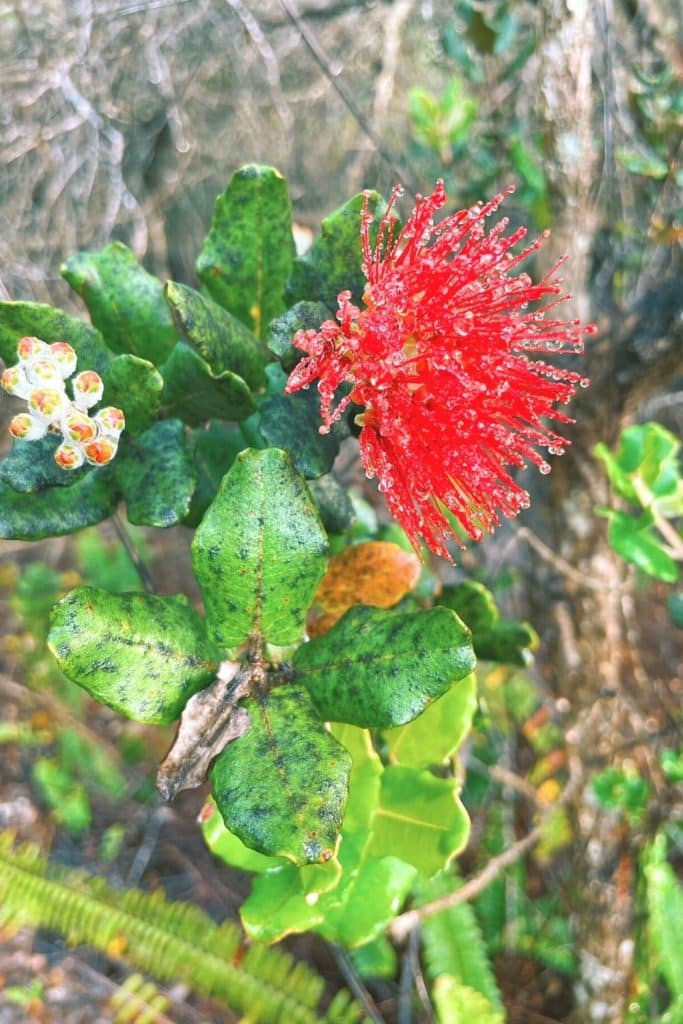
column 58, row 510
column 157, row 475
column 303, row 316
column 125, row 302
column 142, row 655
column 195, row 394
column 292, row 422
column 134, row 385
column 334, row 262
column 30, row 466
column 333, row 503
column 282, row 786
column 493, row 638
column 247, row 255
column 215, row 449
column 381, row 668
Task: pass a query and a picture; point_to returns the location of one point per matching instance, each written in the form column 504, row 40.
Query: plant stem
column 132, row 552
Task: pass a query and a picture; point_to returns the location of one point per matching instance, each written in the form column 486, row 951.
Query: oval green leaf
column 379, row 668
column 247, row 256
column 125, row 302
column 220, row 338
column 142, row 655
column 437, row 733
column 259, row 552
column 281, row 788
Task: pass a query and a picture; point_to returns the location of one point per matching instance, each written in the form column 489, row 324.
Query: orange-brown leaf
column 376, row 573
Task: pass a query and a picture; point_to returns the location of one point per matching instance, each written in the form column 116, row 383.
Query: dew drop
column 584, row 382
column 544, row 468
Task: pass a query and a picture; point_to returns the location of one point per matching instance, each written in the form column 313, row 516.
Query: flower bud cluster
column 40, row 377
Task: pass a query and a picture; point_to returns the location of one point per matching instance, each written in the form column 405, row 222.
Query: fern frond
column 138, row 1001
column 452, row 941
column 172, row 941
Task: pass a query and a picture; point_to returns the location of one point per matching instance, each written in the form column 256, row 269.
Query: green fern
column 459, row 1004
column 170, row 940
column 453, row 944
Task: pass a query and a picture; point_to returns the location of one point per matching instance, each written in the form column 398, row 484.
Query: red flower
column 440, row 360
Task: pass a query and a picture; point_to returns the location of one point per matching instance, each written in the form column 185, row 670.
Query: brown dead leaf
column 210, row 720
column 375, row 573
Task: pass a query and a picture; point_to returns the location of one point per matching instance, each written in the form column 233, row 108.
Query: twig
column 344, row 93
column 354, row 982
column 408, row 971
column 559, row 563
column 139, row 566
column 406, row 922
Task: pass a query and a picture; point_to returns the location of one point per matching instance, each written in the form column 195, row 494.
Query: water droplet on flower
column 554, row 451
column 584, row 382
column 544, row 467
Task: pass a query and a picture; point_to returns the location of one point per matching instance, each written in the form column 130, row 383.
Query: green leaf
column 452, row 941
column 259, row 552
column 334, row 262
column 494, row 639
column 134, row 385
column 419, row 819
column 224, row 844
column 634, row 539
column 195, row 394
column 142, row 655
column 125, row 302
column 247, row 256
column 18, row 319
column 215, row 449
column 458, row 1004
column 58, row 510
column 30, row 466
column 674, row 604
column 220, row 338
column 645, row 469
column 157, row 475
column 287, row 900
column 381, row 668
column 292, row 421
column 643, row 161
column 433, row 736
column 304, row 316
column 282, row 787
column 376, row 959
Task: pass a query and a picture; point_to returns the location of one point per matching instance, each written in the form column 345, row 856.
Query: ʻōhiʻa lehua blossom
column 443, row 360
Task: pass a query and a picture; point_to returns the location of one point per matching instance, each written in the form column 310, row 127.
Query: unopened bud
column 69, row 456
column 47, row 403
column 101, row 451
column 88, row 388
column 45, row 372
column 64, row 356
column 29, row 348
column 14, row 382
column 27, row 428
column 110, row 420
column 76, row 426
